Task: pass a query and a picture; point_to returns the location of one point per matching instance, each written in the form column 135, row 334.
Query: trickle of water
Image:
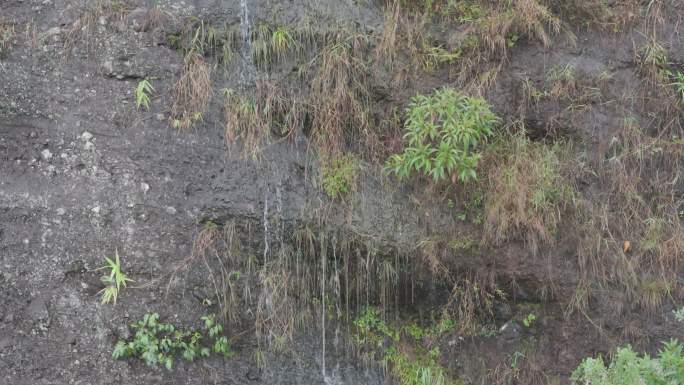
column 267, row 234
column 279, row 213
column 248, row 71
column 323, row 313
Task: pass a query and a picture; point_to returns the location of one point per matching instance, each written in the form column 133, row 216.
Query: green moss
column 339, row 175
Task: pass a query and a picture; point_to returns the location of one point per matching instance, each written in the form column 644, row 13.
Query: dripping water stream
column 247, row 70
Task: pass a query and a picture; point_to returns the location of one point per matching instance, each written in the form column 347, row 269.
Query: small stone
column 95, row 209
column 86, row 136
column 46, row 154
column 170, row 210
column 145, row 187
column 61, row 211
column 54, row 31
column 75, row 267
column 123, row 332
column 37, row 309
column 510, row 330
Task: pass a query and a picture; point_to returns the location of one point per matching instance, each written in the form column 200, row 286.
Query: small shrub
column 158, row 343
column 338, row 175
column 114, row 280
column 443, row 132
column 627, row 367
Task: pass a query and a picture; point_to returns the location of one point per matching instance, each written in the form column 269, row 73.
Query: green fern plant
column 142, row 94
column 443, row 132
column 114, row 280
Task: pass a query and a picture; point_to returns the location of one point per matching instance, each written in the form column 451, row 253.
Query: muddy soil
column 83, row 173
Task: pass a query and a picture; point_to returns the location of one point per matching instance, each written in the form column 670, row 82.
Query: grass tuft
column 6, row 36
column 191, row 93
column 527, row 192
column 114, row 281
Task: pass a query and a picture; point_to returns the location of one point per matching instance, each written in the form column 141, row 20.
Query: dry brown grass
column 386, row 51
column 156, row 17
column 192, row 92
column 84, row 30
column 641, row 207
column 524, row 17
column 615, row 16
column 339, row 96
column 521, row 368
column 278, row 314
column 254, row 119
column 6, row 36
column 527, row 191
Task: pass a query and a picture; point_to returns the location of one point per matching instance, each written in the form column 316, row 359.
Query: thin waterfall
column 267, row 235
column 323, row 315
column 248, row 71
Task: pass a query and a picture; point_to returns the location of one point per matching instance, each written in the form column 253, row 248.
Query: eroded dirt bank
column 237, row 223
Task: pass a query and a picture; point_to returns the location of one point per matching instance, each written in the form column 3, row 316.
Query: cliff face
column 84, row 172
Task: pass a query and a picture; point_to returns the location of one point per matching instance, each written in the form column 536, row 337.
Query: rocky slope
column 83, row 173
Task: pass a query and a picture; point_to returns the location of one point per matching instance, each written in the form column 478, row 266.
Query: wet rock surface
column 84, row 173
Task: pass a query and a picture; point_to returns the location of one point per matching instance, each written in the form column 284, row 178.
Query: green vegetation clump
column 627, row 367
column 443, row 131
column 271, row 44
column 339, row 175
column 158, row 343
column 114, row 280
column 410, row 362
column 529, row 320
